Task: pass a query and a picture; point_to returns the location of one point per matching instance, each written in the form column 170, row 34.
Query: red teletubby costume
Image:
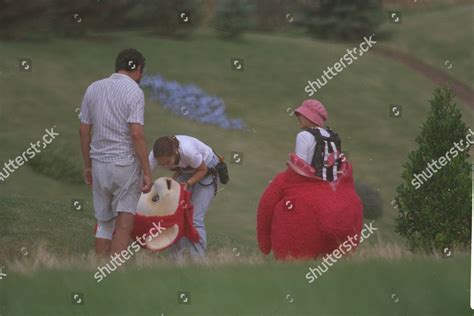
column 167, row 207
column 303, row 217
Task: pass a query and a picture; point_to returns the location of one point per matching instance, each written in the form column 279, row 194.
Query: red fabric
column 183, row 217
column 301, row 166
column 189, row 231
column 323, row 215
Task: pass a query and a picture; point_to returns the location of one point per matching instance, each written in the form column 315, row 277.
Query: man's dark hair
column 129, row 60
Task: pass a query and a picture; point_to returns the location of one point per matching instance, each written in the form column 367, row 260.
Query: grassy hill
column 276, row 71
column 437, row 36
column 36, row 209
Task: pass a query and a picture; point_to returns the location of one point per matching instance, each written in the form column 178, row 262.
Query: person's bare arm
column 198, row 175
column 139, row 144
column 85, row 135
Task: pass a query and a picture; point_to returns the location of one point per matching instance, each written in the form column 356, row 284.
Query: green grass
column 35, row 208
column 24, row 222
column 439, row 35
column 416, row 287
column 277, row 69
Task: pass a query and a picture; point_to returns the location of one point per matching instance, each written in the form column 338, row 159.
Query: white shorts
column 115, row 189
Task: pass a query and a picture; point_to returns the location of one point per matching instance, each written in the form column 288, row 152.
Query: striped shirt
column 109, row 105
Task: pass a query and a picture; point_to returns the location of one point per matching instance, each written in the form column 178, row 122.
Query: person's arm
column 85, row 131
column 85, row 135
column 303, row 146
column 139, row 144
column 196, row 162
column 136, row 121
column 198, row 175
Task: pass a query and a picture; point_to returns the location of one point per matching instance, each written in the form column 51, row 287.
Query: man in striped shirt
column 114, row 150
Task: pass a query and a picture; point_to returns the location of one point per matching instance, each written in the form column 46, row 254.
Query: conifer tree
column 434, row 203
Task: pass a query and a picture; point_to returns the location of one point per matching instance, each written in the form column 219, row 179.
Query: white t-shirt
column 305, row 144
column 192, row 151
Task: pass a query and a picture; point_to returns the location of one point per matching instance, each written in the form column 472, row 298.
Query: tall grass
column 43, row 258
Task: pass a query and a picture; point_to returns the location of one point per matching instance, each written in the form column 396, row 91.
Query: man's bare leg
column 123, row 229
column 102, row 247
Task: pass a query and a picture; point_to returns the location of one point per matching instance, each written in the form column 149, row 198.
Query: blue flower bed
column 190, row 101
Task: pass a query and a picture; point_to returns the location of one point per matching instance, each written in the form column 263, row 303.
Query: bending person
column 193, row 163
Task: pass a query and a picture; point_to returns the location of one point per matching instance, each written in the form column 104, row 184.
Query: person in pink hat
column 317, row 146
column 309, row 210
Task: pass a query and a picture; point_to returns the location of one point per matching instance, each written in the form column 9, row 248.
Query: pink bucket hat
column 314, row 111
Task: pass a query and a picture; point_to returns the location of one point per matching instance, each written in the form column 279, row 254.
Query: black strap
column 317, row 161
column 211, row 172
column 318, row 157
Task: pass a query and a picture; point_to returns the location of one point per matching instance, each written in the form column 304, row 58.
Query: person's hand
column 87, row 173
column 146, row 187
column 185, row 184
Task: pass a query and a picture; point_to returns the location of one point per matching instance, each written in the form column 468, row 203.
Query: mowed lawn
column 418, row 287
column 236, row 281
column 276, row 69
column 441, row 37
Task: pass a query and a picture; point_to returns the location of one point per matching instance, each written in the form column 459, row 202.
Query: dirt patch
column 462, row 91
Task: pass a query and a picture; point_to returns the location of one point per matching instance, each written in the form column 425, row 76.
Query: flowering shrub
column 190, row 101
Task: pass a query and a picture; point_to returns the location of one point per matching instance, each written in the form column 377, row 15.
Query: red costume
column 306, row 217
column 164, row 215
column 176, row 225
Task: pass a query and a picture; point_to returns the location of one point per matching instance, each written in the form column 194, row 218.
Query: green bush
column 59, row 161
column 70, row 18
column 268, row 14
column 233, row 17
column 25, row 20
column 435, row 212
column 165, row 16
column 371, row 199
column 342, row 19
column 38, row 20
